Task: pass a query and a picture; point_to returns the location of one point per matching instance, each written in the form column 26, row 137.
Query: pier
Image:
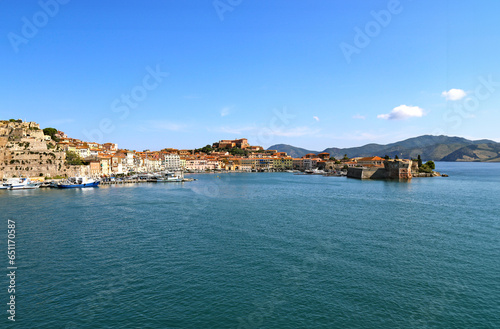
column 135, row 181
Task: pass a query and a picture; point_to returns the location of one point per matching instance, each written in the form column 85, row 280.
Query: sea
column 257, row 250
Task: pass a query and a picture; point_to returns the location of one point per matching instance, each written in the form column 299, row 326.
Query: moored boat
column 167, row 177
column 6, row 185
column 79, row 182
column 23, row 184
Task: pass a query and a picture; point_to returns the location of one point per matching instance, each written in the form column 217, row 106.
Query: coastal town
column 26, row 150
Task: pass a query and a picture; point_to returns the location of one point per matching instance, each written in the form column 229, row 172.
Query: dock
column 136, row 181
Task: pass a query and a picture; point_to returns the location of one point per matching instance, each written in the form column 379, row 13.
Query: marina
column 86, row 182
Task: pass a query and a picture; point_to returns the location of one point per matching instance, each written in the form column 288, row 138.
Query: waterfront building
column 298, row 164
column 171, row 161
column 307, row 163
column 283, row 163
column 117, row 161
column 248, row 163
column 263, row 164
column 95, row 168
column 105, row 164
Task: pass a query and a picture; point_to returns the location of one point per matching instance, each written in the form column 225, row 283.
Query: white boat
column 6, row 185
column 23, row 184
column 315, row 171
column 167, row 177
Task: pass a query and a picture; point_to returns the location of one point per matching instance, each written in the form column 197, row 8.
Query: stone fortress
column 25, row 151
column 398, row 169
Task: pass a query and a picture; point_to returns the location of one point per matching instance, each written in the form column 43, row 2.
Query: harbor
column 23, row 183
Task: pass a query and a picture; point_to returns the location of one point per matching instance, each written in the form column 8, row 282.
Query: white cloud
column 358, row 117
column 316, row 118
column 225, row 111
column 454, row 94
column 403, row 112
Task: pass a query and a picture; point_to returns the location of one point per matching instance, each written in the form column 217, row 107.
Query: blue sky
column 315, row 74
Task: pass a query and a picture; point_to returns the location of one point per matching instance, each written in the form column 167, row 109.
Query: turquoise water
column 260, row 250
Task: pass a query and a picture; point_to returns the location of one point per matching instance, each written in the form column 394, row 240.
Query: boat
column 23, row 184
column 167, row 177
column 335, row 174
column 171, row 177
column 6, row 185
column 315, row 171
column 79, row 182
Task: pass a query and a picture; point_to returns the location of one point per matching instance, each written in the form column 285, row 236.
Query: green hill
column 437, row 148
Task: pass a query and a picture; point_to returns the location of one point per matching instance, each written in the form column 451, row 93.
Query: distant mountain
column 481, row 152
column 437, row 148
column 292, row 151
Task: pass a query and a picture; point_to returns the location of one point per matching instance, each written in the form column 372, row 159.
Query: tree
column 428, row 167
column 73, row 158
column 51, row 132
column 387, row 157
column 396, row 157
column 206, row 149
column 346, row 157
column 238, row 151
column 419, row 159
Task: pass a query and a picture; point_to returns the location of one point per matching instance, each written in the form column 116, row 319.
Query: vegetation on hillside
column 52, row 133
column 428, row 167
column 73, row 158
column 205, row 149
